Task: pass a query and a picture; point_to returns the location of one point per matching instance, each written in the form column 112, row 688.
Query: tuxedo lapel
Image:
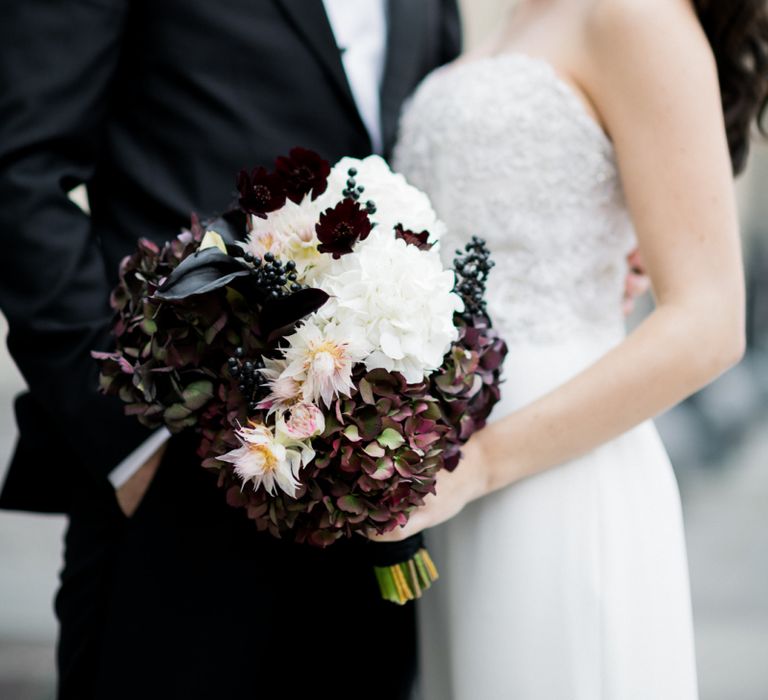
column 309, row 19
column 407, row 34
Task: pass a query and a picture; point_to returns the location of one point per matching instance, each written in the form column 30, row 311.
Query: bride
column 583, row 129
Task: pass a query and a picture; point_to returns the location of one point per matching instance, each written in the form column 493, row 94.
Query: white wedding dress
column 573, row 584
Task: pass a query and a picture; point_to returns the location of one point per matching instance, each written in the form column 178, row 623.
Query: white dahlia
column 284, row 390
column 269, row 459
column 400, row 299
column 320, row 357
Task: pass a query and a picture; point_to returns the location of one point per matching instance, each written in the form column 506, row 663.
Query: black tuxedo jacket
column 154, row 105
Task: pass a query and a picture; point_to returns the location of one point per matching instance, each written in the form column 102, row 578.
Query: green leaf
column 149, row 326
column 214, row 329
column 197, row 394
column 368, row 421
column 332, row 425
column 385, row 468
column 352, row 433
column 390, row 438
column 374, row 450
column 351, row 504
column 176, row 412
column 366, row 392
column 175, row 426
column 105, row 382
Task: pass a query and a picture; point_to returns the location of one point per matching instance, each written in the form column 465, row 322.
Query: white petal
column 286, row 484
column 378, row 360
column 390, row 344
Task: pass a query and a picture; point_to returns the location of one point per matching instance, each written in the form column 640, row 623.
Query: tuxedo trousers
column 186, row 599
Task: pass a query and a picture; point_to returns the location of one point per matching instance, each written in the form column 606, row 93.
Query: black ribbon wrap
column 391, row 553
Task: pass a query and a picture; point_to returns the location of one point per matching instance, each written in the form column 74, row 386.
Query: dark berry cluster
column 472, row 266
column 274, row 278
column 251, row 382
column 355, row 191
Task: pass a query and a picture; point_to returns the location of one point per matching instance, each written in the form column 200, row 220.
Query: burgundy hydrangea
column 168, row 355
column 341, row 227
column 303, row 171
column 382, row 447
column 261, row 192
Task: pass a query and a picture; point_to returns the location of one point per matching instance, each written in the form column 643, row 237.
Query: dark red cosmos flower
column 303, row 171
column 260, row 192
column 341, row 227
column 420, row 240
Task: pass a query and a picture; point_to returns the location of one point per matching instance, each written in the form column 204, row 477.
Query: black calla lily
column 280, row 316
column 200, row 273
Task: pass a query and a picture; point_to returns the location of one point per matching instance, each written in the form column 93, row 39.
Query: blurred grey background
column 717, row 440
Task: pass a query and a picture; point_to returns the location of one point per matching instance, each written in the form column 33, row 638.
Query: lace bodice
column 507, row 151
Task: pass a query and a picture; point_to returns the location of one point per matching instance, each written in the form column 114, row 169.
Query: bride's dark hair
column 738, row 33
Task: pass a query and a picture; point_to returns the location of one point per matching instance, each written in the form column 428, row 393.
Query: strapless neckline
column 544, row 67
column 507, row 149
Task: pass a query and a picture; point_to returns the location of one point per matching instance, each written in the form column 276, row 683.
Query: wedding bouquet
column 313, row 338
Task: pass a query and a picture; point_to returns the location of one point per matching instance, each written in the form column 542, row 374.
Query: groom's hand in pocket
column 129, row 495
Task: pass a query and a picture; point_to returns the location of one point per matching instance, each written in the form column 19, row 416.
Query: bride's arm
column 655, row 86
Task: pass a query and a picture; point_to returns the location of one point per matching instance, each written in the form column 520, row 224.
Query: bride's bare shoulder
column 625, row 39
column 614, row 22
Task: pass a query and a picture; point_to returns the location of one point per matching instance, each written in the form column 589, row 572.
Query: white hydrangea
column 396, row 201
column 402, row 300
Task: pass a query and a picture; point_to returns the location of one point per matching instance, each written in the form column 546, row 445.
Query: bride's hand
column 454, row 490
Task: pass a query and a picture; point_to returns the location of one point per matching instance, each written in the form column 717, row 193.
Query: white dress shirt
column 133, row 462
column 360, row 30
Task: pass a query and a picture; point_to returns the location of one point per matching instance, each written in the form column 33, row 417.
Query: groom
column 166, row 592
